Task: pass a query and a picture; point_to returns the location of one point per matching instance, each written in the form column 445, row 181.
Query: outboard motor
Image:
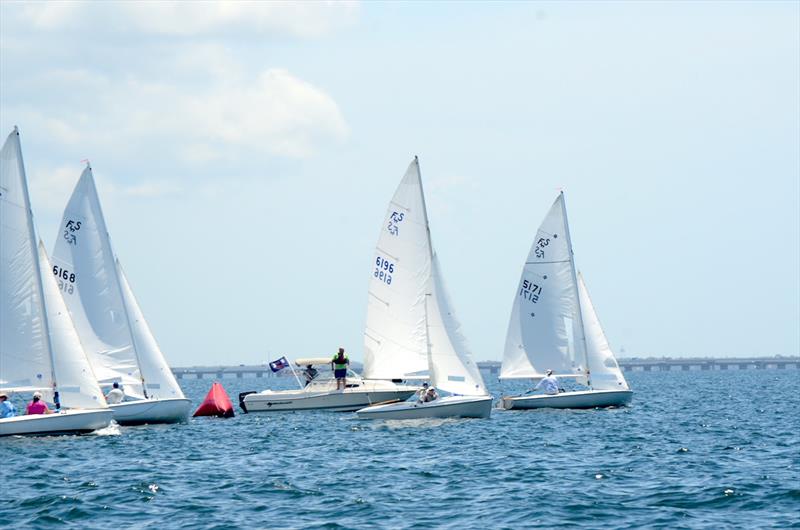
column 241, row 399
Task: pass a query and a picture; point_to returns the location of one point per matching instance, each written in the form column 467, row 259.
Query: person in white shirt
column 115, row 395
column 549, row 384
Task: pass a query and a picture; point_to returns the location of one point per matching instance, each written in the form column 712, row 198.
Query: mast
column 428, row 339
column 37, row 270
column 104, row 232
column 577, row 293
column 430, row 273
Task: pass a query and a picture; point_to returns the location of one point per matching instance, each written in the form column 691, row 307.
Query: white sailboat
column 39, row 349
column 411, row 326
column 107, row 317
column 554, row 326
column 394, row 336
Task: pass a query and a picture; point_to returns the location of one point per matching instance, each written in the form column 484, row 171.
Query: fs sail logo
column 394, row 223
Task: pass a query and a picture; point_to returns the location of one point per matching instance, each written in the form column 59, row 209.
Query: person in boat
column 7, row 409
column 549, row 384
column 431, row 395
column 115, row 395
column 422, row 393
column 37, row 405
column 310, row 373
column 339, row 364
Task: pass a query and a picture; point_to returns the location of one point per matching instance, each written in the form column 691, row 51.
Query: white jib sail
column 394, row 335
column 77, row 385
column 25, row 360
column 451, row 365
column 83, row 258
column 604, row 371
column 158, row 377
column 542, row 332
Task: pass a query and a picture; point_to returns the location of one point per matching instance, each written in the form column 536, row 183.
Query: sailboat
column 109, row 321
column 411, row 326
column 554, row 326
column 39, row 348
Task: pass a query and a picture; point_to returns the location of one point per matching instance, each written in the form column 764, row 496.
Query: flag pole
column 295, row 375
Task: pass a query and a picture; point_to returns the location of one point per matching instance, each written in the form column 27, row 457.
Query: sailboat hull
column 445, row 407
column 64, row 422
column 588, row 399
column 335, row 400
column 174, row 410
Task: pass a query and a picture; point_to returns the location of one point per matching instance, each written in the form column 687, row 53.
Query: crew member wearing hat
column 37, row 406
column 549, row 384
column 7, row 409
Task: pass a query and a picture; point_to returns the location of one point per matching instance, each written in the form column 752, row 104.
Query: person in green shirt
column 339, row 364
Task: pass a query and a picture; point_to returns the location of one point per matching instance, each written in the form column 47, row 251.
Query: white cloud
column 177, row 18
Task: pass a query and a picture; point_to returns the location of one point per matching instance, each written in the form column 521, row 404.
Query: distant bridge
column 493, row 367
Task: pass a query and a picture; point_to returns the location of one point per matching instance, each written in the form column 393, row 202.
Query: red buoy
column 217, row 403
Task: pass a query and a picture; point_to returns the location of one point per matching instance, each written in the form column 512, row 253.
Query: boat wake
column 112, row 430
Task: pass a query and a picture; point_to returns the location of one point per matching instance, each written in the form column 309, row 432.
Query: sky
column 245, row 154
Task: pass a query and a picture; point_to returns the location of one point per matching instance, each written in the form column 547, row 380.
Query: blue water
column 695, row 450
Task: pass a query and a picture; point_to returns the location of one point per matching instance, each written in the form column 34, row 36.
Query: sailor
column 7, row 409
column 431, row 395
column 549, row 384
column 422, row 392
column 37, row 405
column 339, row 364
column 310, row 373
column 115, row 395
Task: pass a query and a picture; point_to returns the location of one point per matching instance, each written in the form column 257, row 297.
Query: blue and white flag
column 280, row 364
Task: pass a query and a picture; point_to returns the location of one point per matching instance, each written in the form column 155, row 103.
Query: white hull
column 346, row 400
column 64, row 422
column 586, row 399
column 173, row 410
column 444, row 407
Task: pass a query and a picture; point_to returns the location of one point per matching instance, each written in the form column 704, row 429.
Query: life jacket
column 340, row 365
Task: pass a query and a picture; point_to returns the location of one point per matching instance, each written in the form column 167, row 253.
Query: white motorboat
column 39, row 348
column 321, row 394
column 554, row 326
column 411, row 316
column 107, row 316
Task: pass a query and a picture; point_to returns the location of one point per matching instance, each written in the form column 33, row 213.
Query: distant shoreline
column 628, row 364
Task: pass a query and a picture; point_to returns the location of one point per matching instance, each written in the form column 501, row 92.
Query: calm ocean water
column 695, row 450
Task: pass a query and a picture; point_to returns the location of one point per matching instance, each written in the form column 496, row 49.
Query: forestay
column 394, row 336
column 544, row 331
column 25, row 362
column 604, row 371
column 84, row 260
column 451, row 365
column 158, row 377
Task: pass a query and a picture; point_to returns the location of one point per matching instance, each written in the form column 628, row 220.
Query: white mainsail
column 452, row 368
column 411, row 326
column 394, row 335
column 39, row 348
column 545, row 330
column 94, row 299
column 604, row 371
column 25, row 361
column 77, row 386
column 158, row 377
